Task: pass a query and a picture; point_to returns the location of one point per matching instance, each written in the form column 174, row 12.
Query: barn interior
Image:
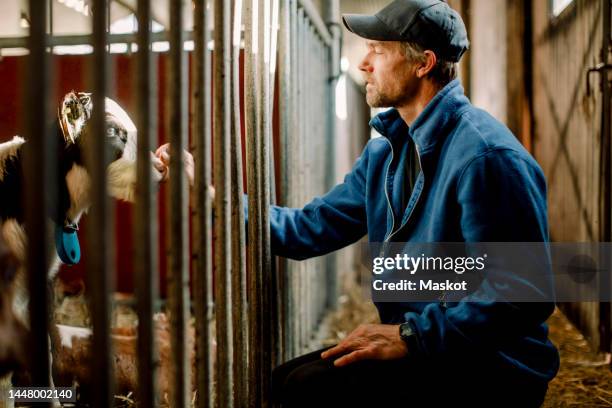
column 156, row 310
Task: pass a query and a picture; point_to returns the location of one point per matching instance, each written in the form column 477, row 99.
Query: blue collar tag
column 67, row 243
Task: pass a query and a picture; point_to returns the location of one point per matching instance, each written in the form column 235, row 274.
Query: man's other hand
column 369, row 342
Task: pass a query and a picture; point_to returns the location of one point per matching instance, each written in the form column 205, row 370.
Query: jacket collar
column 441, row 111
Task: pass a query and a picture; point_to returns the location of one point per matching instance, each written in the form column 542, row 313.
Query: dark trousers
column 309, row 381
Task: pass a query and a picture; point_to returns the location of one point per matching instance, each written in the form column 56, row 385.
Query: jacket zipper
column 386, row 193
column 442, row 298
column 417, row 198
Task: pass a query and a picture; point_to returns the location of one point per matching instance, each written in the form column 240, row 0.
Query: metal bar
column 39, row 185
column 333, row 71
column 222, row 176
column 202, row 246
column 293, row 185
column 317, row 22
column 284, row 67
column 302, row 62
column 251, row 85
column 86, row 39
column 239, row 276
column 264, row 196
column 146, row 266
column 276, row 280
column 178, row 276
column 100, row 251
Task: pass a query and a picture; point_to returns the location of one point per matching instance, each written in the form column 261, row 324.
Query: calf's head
column 74, row 123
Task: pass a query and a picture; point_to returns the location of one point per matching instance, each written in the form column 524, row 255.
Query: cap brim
column 369, row 27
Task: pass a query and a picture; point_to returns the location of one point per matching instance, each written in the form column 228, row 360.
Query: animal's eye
column 111, row 132
column 123, row 136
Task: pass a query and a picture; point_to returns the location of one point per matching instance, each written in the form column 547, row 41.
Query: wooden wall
column 567, row 128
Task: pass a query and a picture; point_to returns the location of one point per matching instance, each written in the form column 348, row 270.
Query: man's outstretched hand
column 163, row 164
column 368, row 342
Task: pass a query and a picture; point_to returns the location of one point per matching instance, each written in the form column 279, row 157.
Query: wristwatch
column 409, row 336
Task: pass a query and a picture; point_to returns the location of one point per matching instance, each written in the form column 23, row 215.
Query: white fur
column 67, row 333
column 118, row 112
column 78, row 183
column 7, row 150
column 121, row 176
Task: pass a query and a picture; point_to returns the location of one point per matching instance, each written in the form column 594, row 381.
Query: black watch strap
column 409, row 336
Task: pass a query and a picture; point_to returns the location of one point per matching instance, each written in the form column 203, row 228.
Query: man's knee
column 302, row 385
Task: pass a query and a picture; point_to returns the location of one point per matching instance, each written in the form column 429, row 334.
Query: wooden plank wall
column 567, row 129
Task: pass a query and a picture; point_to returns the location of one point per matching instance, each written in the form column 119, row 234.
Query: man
column 443, row 171
column 475, row 183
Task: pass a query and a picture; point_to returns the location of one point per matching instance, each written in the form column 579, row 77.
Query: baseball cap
column 432, row 24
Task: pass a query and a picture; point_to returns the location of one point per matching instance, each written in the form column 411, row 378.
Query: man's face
column 391, row 79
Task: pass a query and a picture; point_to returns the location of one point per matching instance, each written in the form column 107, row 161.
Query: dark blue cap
column 432, row 24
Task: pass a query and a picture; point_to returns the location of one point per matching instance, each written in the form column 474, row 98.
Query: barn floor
column 584, row 379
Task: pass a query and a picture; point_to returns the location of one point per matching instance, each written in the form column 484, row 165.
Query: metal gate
column 260, row 311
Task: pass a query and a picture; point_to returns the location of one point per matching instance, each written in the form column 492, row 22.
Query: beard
column 377, row 99
column 392, row 98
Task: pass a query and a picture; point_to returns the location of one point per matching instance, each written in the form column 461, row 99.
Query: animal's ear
column 73, row 113
column 85, row 100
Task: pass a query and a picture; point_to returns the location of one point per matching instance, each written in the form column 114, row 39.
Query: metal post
column 178, row 276
column 239, row 276
column 276, row 283
column 222, row 174
column 202, row 246
column 332, row 65
column 293, row 186
column 146, row 229
column 99, row 249
column 264, row 196
column 286, row 130
column 302, row 63
column 40, row 166
column 254, row 212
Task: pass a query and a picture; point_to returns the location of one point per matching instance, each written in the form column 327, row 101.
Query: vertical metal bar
column 293, row 185
column 285, row 101
column 309, row 125
column 50, row 27
column 202, row 246
column 178, row 276
column 239, row 300
column 100, row 251
column 222, row 175
column 276, row 283
column 332, row 71
column 40, row 165
column 254, row 224
column 146, row 228
column 301, row 152
column 264, row 198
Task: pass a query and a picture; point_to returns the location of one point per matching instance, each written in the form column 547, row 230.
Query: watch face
column 405, row 330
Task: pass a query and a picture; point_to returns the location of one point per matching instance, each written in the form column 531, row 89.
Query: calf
column 72, row 130
column 13, row 334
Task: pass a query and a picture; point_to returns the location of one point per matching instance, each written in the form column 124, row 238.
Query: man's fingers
column 340, row 348
column 352, row 357
column 162, row 148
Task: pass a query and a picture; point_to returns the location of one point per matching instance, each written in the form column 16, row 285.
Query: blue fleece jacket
column 477, row 184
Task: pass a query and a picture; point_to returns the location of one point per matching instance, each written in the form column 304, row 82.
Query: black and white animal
column 72, row 129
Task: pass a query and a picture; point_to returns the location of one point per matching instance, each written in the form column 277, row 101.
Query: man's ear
column 428, row 65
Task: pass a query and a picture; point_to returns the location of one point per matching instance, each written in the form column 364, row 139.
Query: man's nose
column 365, row 65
